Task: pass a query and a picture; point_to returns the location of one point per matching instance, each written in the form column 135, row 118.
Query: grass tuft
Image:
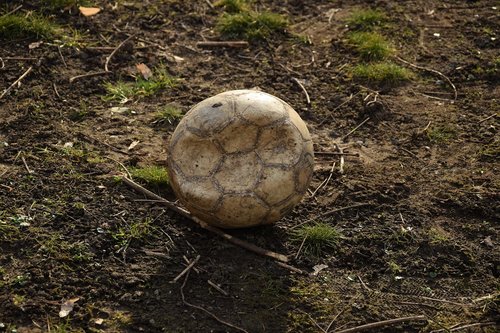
column 366, row 19
column 251, row 25
column 35, row 26
column 126, row 91
column 233, row 6
column 153, row 175
column 381, row 73
column 317, row 238
column 370, row 45
column 441, row 134
column 169, row 114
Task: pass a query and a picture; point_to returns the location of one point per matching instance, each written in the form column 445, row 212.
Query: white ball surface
column 241, row 158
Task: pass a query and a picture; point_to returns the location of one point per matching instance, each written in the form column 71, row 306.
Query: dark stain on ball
column 216, row 105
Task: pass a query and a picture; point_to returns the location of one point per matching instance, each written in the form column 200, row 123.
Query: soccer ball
column 241, row 158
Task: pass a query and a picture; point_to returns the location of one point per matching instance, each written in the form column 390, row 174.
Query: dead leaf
column 133, row 144
column 67, row 307
column 488, row 241
column 319, row 268
column 89, row 11
column 34, row 45
column 144, row 70
column 98, row 321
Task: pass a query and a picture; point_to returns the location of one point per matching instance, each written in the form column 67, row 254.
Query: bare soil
column 426, row 242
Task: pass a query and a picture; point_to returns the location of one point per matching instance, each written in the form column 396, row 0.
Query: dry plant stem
column 328, row 213
column 12, row 11
column 205, row 310
column 185, row 213
column 121, row 164
column 16, row 82
column 235, row 44
column 308, row 100
column 489, row 117
column 3, row 63
column 354, row 129
column 382, row 324
column 187, row 269
column 26, row 165
column 71, row 79
column 219, row 289
column 335, row 153
column 291, row 268
column 108, row 58
column 455, row 93
column 300, row 247
column 459, row 328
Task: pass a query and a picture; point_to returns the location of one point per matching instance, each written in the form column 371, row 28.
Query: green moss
column 31, row 26
column 154, row 175
column 316, row 238
column 370, row 45
column 441, row 134
column 366, row 19
column 133, row 231
column 169, row 114
column 251, row 25
column 381, row 73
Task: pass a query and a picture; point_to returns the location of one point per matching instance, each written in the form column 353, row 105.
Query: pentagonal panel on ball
column 238, row 173
column 198, row 193
column 260, row 108
column 276, row 184
column 239, row 211
column 281, row 144
column 211, row 115
column 195, row 156
column 238, row 137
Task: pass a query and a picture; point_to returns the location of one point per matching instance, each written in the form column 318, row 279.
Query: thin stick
column 187, row 269
column 300, row 247
column 62, row 57
column 455, row 93
column 219, row 289
column 308, row 100
column 330, row 212
column 489, row 323
column 205, row 310
column 335, row 153
column 121, row 164
column 355, row 128
column 108, row 58
column 236, row 241
column 342, row 160
column 55, row 90
column 313, row 321
column 16, row 82
column 291, row 268
column 229, row 43
column 489, row 117
column 3, row 63
column 26, row 165
column 12, row 11
column 383, row 323
column 71, row 79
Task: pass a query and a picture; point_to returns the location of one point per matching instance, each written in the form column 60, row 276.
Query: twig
column 342, row 160
column 187, row 269
column 16, row 82
column 20, row 58
column 26, row 165
column 228, row 43
column 335, row 153
column 291, row 268
column 308, row 100
column 3, row 63
column 330, row 212
column 383, row 323
column 313, row 321
column 300, row 247
column 108, row 58
column 211, row 5
column 121, row 164
column 443, row 301
column 334, row 318
column 187, row 262
column 71, row 79
column 205, row 310
column 12, row 11
column 354, row 129
column 55, row 90
column 363, row 283
column 459, row 328
column 62, row 57
column 455, row 93
column 219, row 289
column 489, row 117
column 325, row 182
column 246, row 245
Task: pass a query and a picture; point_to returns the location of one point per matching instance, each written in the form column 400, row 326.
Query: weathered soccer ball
column 240, row 159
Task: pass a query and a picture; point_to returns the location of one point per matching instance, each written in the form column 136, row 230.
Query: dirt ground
column 424, row 166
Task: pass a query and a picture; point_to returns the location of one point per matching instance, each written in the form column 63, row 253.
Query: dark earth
column 420, row 185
